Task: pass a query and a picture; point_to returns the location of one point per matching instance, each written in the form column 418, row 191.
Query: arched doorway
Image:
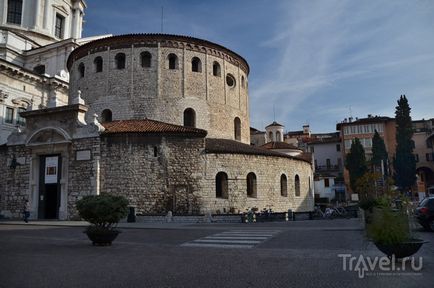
column 50, row 150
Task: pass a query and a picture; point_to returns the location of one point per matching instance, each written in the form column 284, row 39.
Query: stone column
column 46, row 13
column 80, row 23
column 53, row 100
column 75, row 23
column 37, row 13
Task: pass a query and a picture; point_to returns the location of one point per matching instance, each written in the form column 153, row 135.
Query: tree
column 404, row 161
column 356, row 163
column 367, row 185
column 379, row 152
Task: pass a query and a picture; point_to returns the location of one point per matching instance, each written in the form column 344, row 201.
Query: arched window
column 145, row 59
column 40, row 69
column 230, row 80
column 283, row 185
column 196, row 65
column 242, row 82
column 120, row 61
column 106, row 115
column 237, row 128
column 251, row 185
column 270, row 136
column 278, row 135
column 189, row 118
column 81, row 70
column 297, row 185
column 173, row 61
column 221, row 185
column 97, row 62
column 216, row 70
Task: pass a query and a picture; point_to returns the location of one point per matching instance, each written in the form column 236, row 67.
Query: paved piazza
column 291, row 254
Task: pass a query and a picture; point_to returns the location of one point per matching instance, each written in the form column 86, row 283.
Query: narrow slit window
column 297, row 185
column 81, row 70
column 216, row 70
column 283, row 185
column 251, row 185
column 237, row 129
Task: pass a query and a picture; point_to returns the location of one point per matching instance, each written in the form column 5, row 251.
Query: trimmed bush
column 103, row 211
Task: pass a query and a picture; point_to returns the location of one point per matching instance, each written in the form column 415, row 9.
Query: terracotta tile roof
column 306, row 156
column 279, row 145
column 150, row 127
column 226, row 146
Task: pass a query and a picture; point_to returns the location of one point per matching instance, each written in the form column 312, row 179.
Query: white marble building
column 36, row 38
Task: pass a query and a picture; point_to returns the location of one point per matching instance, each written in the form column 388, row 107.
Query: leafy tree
column 379, row 152
column 355, row 162
column 404, row 162
column 367, row 185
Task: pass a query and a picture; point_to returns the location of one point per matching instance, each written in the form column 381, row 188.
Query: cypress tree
column 355, row 162
column 379, row 152
column 404, row 162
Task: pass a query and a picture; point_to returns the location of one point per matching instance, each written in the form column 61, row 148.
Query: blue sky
column 315, row 62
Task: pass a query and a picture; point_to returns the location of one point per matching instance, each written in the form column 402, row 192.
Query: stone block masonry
column 160, row 93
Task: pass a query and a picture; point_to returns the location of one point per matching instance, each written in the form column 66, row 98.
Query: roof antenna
column 162, row 16
column 274, row 113
column 351, row 113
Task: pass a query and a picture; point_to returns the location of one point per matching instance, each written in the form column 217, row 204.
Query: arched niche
column 48, row 135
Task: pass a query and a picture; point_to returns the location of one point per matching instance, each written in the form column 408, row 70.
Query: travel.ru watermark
column 381, row 266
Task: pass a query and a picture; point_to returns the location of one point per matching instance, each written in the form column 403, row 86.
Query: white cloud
column 322, row 45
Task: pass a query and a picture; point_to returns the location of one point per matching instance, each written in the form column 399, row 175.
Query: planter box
column 102, row 238
column 401, row 250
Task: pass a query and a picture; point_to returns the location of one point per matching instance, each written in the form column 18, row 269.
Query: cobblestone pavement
column 301, row 254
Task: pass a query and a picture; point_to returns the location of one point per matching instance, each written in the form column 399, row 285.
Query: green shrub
column 103, row 211
column 388, row 226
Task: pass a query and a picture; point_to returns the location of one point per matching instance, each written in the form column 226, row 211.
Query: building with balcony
column 328, row 166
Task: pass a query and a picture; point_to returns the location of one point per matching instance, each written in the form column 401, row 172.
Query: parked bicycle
column 330, row 212
column 326, row 214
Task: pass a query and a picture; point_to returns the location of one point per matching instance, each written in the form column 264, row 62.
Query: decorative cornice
column 152, row 40
column 21, row 73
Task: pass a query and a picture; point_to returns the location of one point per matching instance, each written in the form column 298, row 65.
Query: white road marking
column 227, row 241
column 233, row 239
column 216, row 245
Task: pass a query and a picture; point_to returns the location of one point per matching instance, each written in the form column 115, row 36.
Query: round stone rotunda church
column 160, row 119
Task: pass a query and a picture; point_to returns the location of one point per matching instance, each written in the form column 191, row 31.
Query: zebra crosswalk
column 233, row 239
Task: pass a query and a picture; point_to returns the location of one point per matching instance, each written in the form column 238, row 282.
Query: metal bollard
column 131, row 215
